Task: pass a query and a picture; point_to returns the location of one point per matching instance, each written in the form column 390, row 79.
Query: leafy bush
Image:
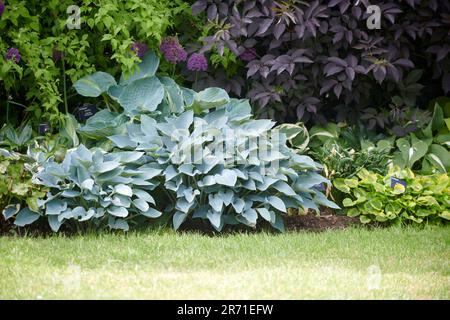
column 319, row 60
column 16, row 187
column 374, row 197
column 427, row 149
column 171, row 144
column 47, row 51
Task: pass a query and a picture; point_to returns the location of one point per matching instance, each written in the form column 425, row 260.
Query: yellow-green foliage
column 370, row 196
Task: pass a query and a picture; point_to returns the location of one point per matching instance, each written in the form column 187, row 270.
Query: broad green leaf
column 25, row 217
column 142, row 95
column 147, row 68
column 95, row 84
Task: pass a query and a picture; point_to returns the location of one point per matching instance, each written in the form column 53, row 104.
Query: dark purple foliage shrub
column 320, row 60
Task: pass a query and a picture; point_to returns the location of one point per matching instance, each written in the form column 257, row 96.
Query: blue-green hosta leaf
column 126, row 156
column 106, row 166
column 238, row 204
column 142, row 95
column 148, row 126
column 238, row 110
column 173, row 95
column 120, row 212
column 227, row 196
column 184, row 206
column 95, row 84
column 152, row 213
column 170, row 173
column 143, row 195
column 210, row 98
column 10, row 210
column 277, row 203
column 122, row 141
column 87, row 184
column 89, row 214
column 147, row 68
column 102, row 124
column 189, row 194
column 227, row 177
column 216, row 219
column 54, row 223
column 266, row 214
column 70, row 194
column 142, row 205
column 25, row 217
column 279, row 223
column 123, row 190
column 188, row 96
column 251, row 216
column 119, row 224
column 216, row 202
column 322, row 200
column 308, row 180
column 55, row 207
column 115, row 92
column 283, row 187
column 121, row 201
column 178, row 219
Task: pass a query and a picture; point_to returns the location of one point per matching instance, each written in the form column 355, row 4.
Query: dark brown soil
column 324, row 221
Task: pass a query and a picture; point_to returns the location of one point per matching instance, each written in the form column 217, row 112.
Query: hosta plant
column 186, row 132
column 413, row 198
column 427, row 150
column 16, row 188
column 107, row 188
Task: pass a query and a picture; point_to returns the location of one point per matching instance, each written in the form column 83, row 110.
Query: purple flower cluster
column 140, row 49
column 2, row 7
column 248, row 55
column 197, row 62
column 172, row 50
column 13, row 54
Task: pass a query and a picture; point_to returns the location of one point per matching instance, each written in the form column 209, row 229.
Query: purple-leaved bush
column 2, row 8
column 319, row 59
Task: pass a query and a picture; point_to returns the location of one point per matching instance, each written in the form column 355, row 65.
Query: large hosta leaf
column 102, row 124
column 210, row 98
column 147, row 68
column 25, row 217
column 95, row 84
column 142, row 95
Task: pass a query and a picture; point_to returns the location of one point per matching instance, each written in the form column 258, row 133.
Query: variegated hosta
column 94, row 185
column 226, row 167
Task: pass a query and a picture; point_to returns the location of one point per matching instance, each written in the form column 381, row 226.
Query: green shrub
column 50, row 51
column 16, row 187
column 373, row 197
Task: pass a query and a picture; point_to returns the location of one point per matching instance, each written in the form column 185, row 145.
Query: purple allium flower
column 197, row 62
column 2, row 7
column 140, row 49
column 172, row 50
column 248, row 55
column 13, row 54
column 57, row 55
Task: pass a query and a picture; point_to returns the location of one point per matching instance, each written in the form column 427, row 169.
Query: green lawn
column 414, row 264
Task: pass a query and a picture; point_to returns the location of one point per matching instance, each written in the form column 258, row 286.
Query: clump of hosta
column 97, row 186
column 203, row 150
column 222, row 165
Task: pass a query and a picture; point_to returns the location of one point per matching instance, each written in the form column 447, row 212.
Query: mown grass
column 413, row 264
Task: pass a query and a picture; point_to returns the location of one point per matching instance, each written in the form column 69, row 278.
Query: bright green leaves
column 412, row 149
column 95, row 84
column 373, row 199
